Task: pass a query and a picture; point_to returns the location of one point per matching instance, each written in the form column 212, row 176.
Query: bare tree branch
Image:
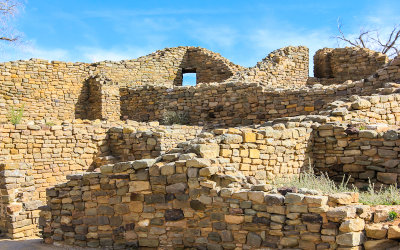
column 371, row 39
column 9, row 39
column 8, row 9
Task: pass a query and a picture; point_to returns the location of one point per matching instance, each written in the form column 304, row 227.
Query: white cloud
column 92, row 54
column 28, row 50
column 215, row 36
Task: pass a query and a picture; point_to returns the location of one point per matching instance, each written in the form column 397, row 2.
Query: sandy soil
column 30, row 244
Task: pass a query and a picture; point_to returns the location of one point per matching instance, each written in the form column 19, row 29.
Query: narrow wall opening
column 189, row 77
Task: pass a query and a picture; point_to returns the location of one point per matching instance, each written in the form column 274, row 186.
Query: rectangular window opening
column 189, row 79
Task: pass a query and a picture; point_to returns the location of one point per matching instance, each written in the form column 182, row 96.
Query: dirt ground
column 31, row 244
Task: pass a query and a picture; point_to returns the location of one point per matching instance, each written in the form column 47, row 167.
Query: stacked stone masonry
column 347, row 63
column 84, row 166
column 185, row 201
column 58, row 90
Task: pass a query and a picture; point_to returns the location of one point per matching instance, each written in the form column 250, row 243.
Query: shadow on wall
column 207, row 67
column 81, row 106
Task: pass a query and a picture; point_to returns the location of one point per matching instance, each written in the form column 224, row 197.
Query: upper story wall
column 46, row 89
column 165, row 67
column 350, row 63
column 60, row 90
column 286, row 66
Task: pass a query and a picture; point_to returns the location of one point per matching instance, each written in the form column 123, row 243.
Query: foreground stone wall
column 191, row 202
column 350, row 63
column 35, row 157
column 19, row 214
column 364, row 155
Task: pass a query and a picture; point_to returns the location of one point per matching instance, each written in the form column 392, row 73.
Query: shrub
column 381, row 196
column 172, row 117
column 50, row 123
column 323, row 183
column 372, row 196
column 15, row 115
column 392, row 215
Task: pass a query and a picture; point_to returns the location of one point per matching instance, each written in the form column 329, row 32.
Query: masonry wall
column 185, row 203
column 267, row 153
column 285, row 67
column 59, row 90
column 232, row 104
column 350, row 63
column 130, row 143
column 104, row 100
column 48, row 90
column 34, row 158
column 363, row 156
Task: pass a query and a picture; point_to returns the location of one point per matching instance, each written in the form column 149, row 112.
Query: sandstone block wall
column 37, row 157
column 268, row 152
column 191, row 202
column 47, row 90
column 350, row 63
column 283, row 67
column 19, row 214
column 232, row 104
column 104, row 100
column 366, row 155
column 129, row 143
column 56, row 151
column 59, row 90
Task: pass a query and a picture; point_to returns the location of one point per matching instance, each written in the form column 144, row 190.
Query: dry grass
column 373, row 196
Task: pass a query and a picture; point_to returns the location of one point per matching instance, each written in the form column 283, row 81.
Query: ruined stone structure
column 92, row 163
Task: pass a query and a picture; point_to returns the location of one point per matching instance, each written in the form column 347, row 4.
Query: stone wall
column 228, row 104
column 58, row 90
column 268, row 152
column 104, row 100
column 41, row 157
column 165, row 67
column 283, row 67
column 362, row 155
column 19, row 214
column 130, row 143
column 48, row 90
column 350, row 63
column 187, row 201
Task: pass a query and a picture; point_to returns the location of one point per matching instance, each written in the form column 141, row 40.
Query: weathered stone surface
column 198, row 163
column 394, row 232
column 361, row 104
column 207, row 151
column 174, row 214
column 387, row 178
column 353, row 225
column 274, row 199
column 234, row 219
column 176, row 188
column 380, row 244
column 376, row 231
column 231, row 139
column 253, row 239
column 145, row 163
column 350, row 239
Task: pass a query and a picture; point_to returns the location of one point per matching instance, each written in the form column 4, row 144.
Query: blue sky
column 242, row 31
